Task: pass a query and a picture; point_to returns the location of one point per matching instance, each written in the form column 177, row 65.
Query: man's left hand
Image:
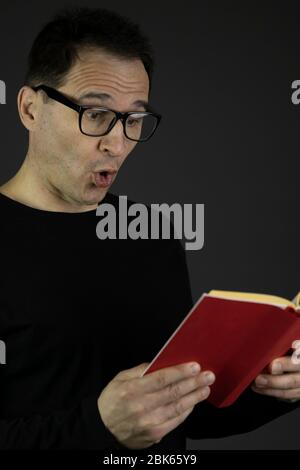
column 283, row 381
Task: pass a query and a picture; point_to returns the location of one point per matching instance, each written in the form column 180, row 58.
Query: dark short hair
column 56, row 47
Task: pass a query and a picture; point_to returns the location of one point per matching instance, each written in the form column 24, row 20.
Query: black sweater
column 74, row 311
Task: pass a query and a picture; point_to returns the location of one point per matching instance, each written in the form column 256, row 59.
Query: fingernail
column 195, row 368
column 276, row 367
column 209, row 378
column 261, row 381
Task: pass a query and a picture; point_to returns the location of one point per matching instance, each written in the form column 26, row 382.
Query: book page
column 252, row 297
column 296, row 301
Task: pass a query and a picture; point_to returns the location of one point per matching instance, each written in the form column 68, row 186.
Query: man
column 79, row 315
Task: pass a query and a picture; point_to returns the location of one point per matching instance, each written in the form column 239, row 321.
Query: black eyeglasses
column 98, row 121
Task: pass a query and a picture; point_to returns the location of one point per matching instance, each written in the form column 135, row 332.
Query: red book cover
column 236, row 339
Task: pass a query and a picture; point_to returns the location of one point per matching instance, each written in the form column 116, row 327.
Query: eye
column 135, row 119
column 95, row 115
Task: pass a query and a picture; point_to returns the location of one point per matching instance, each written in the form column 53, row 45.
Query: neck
column 29, row 187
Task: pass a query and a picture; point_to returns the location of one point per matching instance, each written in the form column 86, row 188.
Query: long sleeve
column 78, row 428
column 54, row 329
column 248, row 413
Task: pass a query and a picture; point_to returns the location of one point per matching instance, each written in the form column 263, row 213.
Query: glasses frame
column 80, row 109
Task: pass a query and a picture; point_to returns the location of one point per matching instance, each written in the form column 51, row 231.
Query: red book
column 234, row 334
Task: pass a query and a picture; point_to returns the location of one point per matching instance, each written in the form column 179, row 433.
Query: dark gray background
column 228, row 139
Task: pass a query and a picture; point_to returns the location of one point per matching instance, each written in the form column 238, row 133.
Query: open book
column 234, row 334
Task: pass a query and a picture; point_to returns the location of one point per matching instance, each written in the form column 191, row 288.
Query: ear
column 28, row 101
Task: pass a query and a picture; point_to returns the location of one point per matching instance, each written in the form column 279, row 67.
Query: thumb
column 134, row 372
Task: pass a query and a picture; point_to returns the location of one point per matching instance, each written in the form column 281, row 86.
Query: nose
column 115, row 141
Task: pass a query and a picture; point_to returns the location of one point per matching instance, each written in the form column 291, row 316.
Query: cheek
column 54, row 132
column 69, row 141
column 65, row 132
column 61, row 139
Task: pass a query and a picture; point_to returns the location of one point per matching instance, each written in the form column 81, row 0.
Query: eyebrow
column 107, row 97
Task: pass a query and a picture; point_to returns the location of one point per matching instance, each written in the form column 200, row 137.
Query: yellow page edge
column 261, row 298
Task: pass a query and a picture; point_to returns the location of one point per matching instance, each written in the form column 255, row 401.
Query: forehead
column 96, row 70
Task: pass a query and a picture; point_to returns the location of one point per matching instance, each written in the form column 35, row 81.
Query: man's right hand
column 140, row 411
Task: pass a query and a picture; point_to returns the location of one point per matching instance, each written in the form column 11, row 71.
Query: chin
column 94, row 195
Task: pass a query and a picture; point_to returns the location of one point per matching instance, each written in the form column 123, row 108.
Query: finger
column 174, row 410
column 296, row 344
column 162, row 378
column 132, row 373
column 278, row 393
column 283, row 381
column 178, row 389
column 285, row 364
column 160, row 430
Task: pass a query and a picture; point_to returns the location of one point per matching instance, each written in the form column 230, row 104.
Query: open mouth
column 104, row 178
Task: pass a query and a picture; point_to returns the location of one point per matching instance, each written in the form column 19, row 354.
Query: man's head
column 82, row 52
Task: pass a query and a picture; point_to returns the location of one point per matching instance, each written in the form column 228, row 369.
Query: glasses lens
column 140, row 126
column 96, row 121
